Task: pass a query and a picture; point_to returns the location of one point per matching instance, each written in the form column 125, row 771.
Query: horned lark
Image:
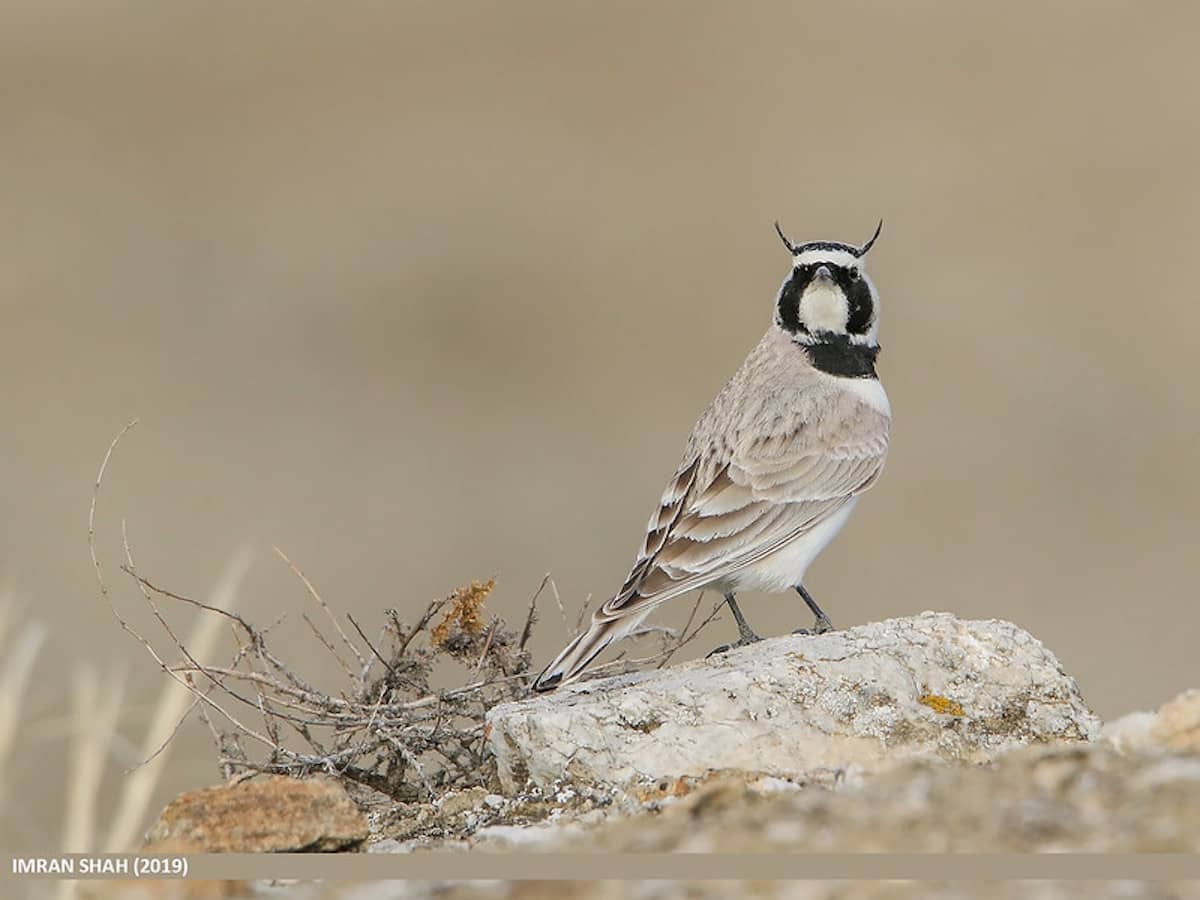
column 774, row 466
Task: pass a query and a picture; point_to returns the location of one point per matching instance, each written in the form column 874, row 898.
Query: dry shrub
column 386, row 726
column 464, row 620
column 389, row 727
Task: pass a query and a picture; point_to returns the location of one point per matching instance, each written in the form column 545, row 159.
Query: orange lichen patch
column 943, row 705
column 466, row 611
column 671, row 787
column 685, row 785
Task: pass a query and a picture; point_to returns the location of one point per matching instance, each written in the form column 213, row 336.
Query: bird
column 775, row 464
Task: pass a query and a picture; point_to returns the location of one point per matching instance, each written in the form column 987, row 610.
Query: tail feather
column 580, row 653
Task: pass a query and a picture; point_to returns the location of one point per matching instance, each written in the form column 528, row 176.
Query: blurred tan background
column 422, row 292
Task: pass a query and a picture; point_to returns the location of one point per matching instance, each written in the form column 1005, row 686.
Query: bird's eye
column 853, row 274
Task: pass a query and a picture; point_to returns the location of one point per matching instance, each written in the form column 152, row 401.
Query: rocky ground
column 848, row 702
column 924, row 734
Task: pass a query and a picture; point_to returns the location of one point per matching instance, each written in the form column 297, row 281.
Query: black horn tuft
column 862, row 251
column 783, row 237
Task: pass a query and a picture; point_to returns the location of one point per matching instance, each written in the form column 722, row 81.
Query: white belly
column 785, row 568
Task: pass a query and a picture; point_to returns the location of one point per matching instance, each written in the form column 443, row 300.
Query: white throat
column 823, row 308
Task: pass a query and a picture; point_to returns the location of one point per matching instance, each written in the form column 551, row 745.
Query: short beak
column 823, row 272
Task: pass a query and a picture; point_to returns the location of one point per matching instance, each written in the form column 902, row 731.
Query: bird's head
column 828, row 295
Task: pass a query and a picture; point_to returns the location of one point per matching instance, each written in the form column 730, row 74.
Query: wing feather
column 718, row 516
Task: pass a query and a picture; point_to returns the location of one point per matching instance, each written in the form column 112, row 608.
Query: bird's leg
column 746, row 634
column 822, row 624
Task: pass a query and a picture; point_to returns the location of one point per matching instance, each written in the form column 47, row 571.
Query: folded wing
column 734, row 501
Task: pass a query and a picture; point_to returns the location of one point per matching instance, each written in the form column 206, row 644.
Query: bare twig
column 92, row 509
column 202, row 712
column 487, row 644
column 562, row 610
column 131, row 571
column 583, row 611
column 435, row 606
column 104, row 593
column 139, row 787
column 312, row 592
column 531, row 616
column 387, row 665
column 683, row 633
column 328, row 646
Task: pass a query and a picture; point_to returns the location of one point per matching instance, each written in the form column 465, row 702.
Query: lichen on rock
column 930, row 686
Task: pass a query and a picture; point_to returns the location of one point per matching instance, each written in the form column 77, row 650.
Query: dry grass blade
column 20, row 653
column 96, row 714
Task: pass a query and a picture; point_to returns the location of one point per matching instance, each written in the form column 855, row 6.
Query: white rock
column 1174, row 727
column 927, row 686
column 1132, row 733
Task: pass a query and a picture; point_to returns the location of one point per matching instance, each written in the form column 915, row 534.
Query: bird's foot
column 821, row 626
column 746, row 634
column 744, row 641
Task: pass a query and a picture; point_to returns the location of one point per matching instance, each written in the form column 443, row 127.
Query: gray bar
column 443, row 866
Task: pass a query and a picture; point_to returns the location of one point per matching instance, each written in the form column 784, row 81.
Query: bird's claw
column 744, row 641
